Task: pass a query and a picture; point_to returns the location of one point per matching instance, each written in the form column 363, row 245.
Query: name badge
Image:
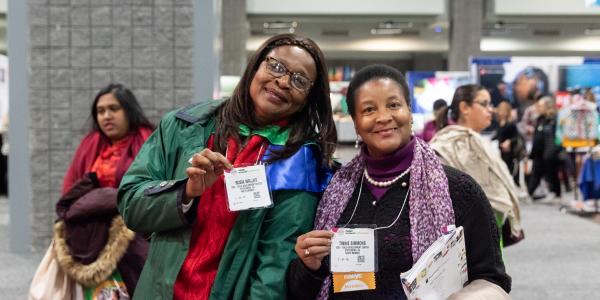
column 247, row 188
column 353, row 259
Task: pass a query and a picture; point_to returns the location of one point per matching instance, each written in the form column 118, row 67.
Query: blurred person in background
column 279, row 115
column 431, row 127
column 397, row 183
column 461, row 146
column 510, row 142
column 544, row 151
column 589, row 95
column 92, row 244
column 529, row 85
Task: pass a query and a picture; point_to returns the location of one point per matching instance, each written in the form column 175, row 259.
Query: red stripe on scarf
column 213, row 225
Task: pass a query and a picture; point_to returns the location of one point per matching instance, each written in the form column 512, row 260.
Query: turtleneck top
column 387, row 167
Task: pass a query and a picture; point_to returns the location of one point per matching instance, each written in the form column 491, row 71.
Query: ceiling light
column 592, row 31
column 394, row 25
column 279, row 27
column 386, row 31
column 390, row 28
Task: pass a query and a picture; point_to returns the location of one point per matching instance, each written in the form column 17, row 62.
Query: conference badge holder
column 353, row 258
column 247, row 187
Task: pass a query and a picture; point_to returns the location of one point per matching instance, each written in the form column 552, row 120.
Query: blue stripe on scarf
column 301, row 171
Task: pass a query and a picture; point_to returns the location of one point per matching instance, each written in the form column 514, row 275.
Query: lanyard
column 257, row 157
column 358, row 200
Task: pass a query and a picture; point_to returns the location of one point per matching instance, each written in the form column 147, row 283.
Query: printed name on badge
column 353, row 263
column 247, row 188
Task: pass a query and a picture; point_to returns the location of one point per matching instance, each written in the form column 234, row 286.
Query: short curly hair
column 372, row 72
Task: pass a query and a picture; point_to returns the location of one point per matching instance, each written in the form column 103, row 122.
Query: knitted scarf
column 429, row 201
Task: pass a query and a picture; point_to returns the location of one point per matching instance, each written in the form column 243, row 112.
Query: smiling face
column 382, row 116
column 275, row 98
column 111, row 117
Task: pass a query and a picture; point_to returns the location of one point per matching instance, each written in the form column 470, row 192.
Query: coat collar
column 199, row 112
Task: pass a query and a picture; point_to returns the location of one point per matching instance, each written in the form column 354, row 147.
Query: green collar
column 275, row 134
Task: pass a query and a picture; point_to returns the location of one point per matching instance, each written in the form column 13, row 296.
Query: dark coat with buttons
column 261, row 243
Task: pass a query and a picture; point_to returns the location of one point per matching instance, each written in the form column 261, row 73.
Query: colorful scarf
column 93, row 145
column 214, row 221
column 429, row 201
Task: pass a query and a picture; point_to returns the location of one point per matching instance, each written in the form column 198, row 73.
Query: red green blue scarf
column 214, row 221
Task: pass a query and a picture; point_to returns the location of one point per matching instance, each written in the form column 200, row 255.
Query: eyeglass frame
column 488, row 105
column 287, row 72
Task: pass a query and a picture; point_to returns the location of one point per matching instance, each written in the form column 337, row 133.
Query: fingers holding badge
column 313, row 246
column 206, row 167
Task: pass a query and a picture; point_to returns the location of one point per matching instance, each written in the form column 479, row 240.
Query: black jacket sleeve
column 303, row 283
column 473, row 211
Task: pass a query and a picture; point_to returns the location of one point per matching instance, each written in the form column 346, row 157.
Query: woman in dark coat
column 92, row 244
column 512, row 145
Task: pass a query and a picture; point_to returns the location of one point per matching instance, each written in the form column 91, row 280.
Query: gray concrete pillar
column 207, row 49
column 236, row 29
column 19, row 187
column 77, row 47
column 465, row 32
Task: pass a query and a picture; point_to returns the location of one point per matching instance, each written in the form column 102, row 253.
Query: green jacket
column 261, row 243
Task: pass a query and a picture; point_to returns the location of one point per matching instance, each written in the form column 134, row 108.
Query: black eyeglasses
column 297, row 80
column 485, row 104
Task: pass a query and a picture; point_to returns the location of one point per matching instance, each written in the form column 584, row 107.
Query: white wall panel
column 540, row 45
column 545, row 7
column 374, row 44
column 345, row 7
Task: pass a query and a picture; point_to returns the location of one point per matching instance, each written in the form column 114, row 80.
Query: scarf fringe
column 119, row 237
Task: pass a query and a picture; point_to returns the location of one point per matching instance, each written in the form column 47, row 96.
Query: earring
column 357, row 143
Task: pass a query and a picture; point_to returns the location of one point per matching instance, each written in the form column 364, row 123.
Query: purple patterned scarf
column 429, row 201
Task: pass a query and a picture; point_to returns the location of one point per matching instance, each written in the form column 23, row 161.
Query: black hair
column 314, row 122
column 133, row 110
column 464, row 93
column 372, row 72
column 439, row 103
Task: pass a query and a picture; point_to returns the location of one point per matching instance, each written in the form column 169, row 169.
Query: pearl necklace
column 358, row 200
column 387, row 182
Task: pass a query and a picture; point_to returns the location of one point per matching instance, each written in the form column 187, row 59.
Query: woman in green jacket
column 182, row 187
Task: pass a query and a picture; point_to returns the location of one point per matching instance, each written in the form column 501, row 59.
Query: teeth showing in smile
column 385, row 130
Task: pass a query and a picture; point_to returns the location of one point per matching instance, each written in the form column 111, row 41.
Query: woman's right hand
column 312, row 247
column 206, row 167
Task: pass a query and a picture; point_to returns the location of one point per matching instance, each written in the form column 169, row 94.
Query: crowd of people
column 167, row 212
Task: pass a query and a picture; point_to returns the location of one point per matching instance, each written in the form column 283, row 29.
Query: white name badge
column 353, row 250
column 247, row 188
